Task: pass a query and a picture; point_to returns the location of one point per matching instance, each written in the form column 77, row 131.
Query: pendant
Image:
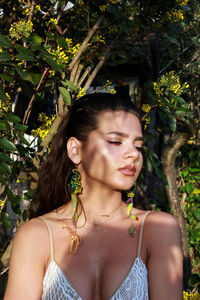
column 75, row 240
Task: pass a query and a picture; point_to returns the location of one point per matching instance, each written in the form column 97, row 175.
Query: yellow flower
column 43, row 130
column 130, row 194
column 175, row 15
column 146, row 108
column 81, row 93
column 182, row 2
column 6, row 104
column 38, row 7
column 191, row 296
column 19, row 29
column 53, row 21
column 2, row 203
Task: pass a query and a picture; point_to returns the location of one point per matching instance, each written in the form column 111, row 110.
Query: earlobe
column 74, row 150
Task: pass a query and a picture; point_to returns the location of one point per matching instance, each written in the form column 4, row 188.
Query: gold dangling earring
column 129, row 202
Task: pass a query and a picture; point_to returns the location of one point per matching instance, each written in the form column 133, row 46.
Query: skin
column 115, row 144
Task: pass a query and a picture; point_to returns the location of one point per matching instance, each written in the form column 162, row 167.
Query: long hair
column 55, row 173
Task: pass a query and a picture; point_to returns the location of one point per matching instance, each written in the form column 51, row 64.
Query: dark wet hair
column 55, row 173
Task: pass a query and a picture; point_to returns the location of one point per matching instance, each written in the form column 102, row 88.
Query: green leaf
column 10, row 117
column 10, row 194
column 37, row 39
column 189, row 188
column 5, row 157
column 4, row 168
column 50, row 36
column 22, row 56
column 2, row 126
column 34, row 78
column 28, row 195
column 196, row 214
column 194, row 278
column 69, row 84
column 23, row 140
column 173, row 40
column 7, row 145
column 24, row 53
column 7, row 77
column 25, row 215
column 195, row 170
column 172, row 123
column 1, row 114
column 186, row 172
column 17, row 209
column 21, row 49
column 196, row 191
column 65, row 94
column 22, row 151
column 53, row 64
column 5, row 56
column 2, row 94
column 16, row 200
column 21, row 72
column 6, row 220
column 131, row 230
column 61, row 41
column 4, row 41
column 182, row 109
column 2, row 180
column 21, row 127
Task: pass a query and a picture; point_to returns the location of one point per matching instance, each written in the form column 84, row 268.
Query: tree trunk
column 169, row 160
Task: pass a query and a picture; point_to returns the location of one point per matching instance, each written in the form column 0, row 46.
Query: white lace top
column 57, row 286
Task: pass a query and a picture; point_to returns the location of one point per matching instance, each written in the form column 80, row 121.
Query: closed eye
column 114, row 142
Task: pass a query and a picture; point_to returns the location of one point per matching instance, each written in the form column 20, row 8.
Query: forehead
column 119, row 121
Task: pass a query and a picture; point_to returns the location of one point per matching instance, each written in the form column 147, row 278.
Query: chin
column 124, row 186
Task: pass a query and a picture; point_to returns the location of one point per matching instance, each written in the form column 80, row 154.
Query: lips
column 128, row 170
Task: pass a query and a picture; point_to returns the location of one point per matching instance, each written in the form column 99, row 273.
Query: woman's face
column 112, row 155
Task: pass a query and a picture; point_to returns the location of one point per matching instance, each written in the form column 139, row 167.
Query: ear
column 74, row 150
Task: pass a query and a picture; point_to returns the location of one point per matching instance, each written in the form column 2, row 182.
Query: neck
column 100, row 206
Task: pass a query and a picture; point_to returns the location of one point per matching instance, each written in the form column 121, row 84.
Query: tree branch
column 28, row 110
column 85, row 42
column 99, row 65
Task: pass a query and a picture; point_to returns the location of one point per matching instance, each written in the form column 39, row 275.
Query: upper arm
column 26, row 266
column 164, row 257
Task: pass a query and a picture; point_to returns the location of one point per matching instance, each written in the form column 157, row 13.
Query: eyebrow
column 122, row 134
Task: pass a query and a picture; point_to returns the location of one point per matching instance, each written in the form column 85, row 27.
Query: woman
column 107, row 249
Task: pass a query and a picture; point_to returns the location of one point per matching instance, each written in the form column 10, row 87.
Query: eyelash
column 114, row 142
column 119, row 143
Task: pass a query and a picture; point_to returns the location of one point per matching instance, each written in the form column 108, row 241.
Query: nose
column 132, row 152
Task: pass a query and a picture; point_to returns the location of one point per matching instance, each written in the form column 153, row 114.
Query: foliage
column 40, row 45
column 189, row 180
column 15, row 156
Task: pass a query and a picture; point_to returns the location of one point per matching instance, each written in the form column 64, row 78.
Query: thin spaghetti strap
column 141, row 233
column 50, row 237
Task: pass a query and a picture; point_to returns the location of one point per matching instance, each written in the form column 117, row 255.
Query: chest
column 105, row 258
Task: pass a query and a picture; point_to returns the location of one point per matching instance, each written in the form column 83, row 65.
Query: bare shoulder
column 162, row 230
column 29, row 257
column 162, row 218
column 31, row 236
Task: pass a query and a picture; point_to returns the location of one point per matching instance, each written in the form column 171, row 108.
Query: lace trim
column 56, row 284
